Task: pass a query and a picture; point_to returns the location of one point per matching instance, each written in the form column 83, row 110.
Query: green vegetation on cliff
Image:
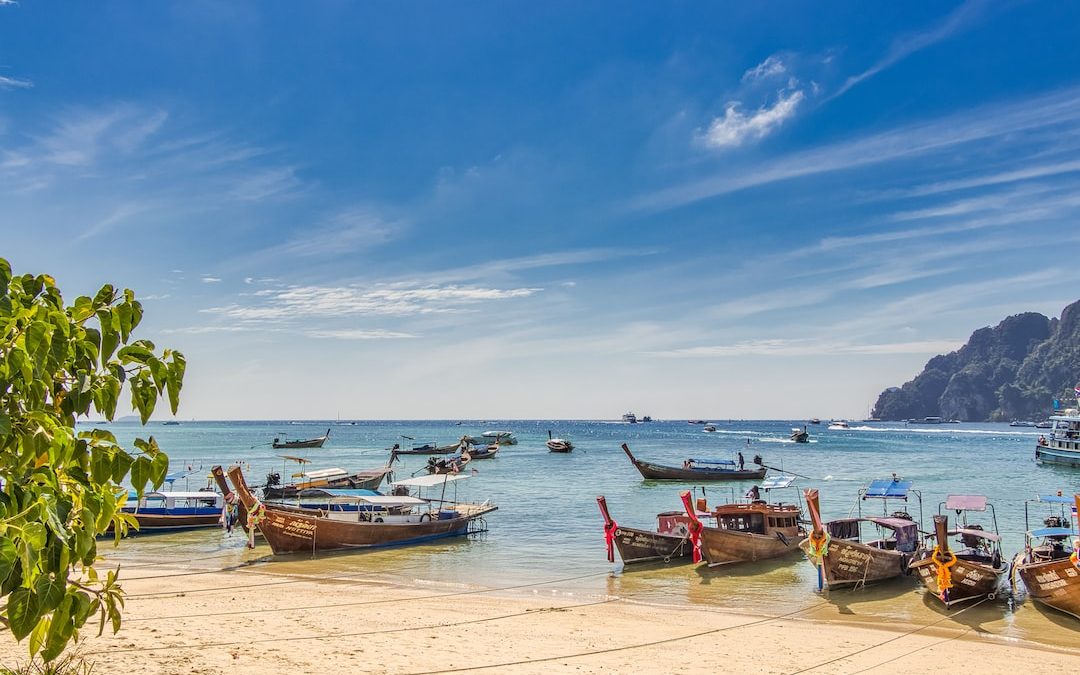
column 1014, row 370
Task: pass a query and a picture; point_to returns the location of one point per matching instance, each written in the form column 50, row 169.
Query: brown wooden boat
column 748, row 532
column 838, row 550
column 290, row 530
column 1048, row 566
column 230, row 496
column 973, row 572
column 696, row 469
column 558, row 444
column 669, row 542
column 280, row 444
column 368, row 479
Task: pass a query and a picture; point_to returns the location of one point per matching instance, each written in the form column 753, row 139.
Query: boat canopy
column 177, row 475
column 774, row 482
column 1054, row 499
column 965, row 502
column 496, row 434
column 335, row 492
column 298, row 460
column 979, row 534
column 888, row 488
column 722, row 462
column 431, row 479
column 895, row 524
column 1051, row 532
column 326, row 473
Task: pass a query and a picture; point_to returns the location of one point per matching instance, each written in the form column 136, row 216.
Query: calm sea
column 548, row 527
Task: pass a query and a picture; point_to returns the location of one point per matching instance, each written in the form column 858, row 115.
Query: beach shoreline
column 254, row 618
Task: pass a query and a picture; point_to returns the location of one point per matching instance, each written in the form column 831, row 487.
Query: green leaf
column 49, row 592
column 9, row 556
column 37, row 636
column 34, row 535
column 159, row 468
column 23, row 612
column 60, row 629
column 140, row 474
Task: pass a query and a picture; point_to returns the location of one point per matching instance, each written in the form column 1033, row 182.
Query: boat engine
column 273, row 478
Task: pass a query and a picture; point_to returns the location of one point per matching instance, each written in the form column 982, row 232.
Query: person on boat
column 754, row 493
column 686, row 464
column 741, row 462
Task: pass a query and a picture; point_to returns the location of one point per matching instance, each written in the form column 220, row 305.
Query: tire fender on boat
column 425, row 517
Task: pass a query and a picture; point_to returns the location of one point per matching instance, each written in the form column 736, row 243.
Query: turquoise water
column 548, row 527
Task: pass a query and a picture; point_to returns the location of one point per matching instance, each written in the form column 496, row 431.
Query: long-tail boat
column 696, row 469
column 368, row 479
column 669, row 542
column 972, row 572
column 230, row 497
column 1048, row 565
column 844, row 557
column 558, row 444
column 280, row 443
column 291, row 530
column 800, row 435
column 174, row 511
column 749, row 531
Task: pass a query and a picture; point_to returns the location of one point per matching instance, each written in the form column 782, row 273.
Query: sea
column 547, row 536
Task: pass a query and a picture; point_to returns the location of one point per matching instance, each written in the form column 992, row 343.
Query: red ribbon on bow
column 695, row 527
column 609, row 538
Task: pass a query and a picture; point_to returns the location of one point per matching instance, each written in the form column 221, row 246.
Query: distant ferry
column 1021, row 423
column 629, row 418
column 927, row 420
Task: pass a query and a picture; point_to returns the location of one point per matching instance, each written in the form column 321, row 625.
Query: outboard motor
column 273, row 478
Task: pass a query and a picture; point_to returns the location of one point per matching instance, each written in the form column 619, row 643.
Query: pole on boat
column 818, row 541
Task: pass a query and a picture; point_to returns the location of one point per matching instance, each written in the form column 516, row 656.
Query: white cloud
column 959, row 19
column 357, row 334
column 391, row 299
column 14, row 83
column 770, row 67
column 785, row 347
column 735, row 127
column 210, row 280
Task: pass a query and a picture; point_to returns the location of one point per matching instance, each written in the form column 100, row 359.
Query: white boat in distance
column 629, row 418
column 839, row 424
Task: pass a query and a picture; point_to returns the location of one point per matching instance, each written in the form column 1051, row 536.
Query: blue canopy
column 725, row 462
column 1055, row 499
column 1051, row 532
column 888, row 488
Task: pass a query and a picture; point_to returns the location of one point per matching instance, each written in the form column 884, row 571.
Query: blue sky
column 565, row 210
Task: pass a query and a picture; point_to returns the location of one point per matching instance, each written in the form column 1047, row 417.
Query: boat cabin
column 758, row 516
column 893, row 531
column 1052, row 541
column 201, row 502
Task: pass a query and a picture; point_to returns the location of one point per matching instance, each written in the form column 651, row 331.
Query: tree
column 61, row 486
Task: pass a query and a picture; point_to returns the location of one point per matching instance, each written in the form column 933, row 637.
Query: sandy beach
column 267, row 617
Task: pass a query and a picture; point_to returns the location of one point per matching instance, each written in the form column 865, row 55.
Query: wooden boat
column 500, row 437
column 280, row 444
column 669, row 542
column 293, row 531
column 844, row 557
column 749, row 531
column 369, row 479
column 450, row 464
column 230, row 498
column 175, row 511
column 696, row 469
column 558, row 444
column 800, row 435
column 1048, row 566
column 972, row 572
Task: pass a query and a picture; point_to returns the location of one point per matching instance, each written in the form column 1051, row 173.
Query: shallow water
column 548, row 527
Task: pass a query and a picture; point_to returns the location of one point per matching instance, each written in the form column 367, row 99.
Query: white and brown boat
column 749, row 531
column 332, row 478
column 283, row 443
column 385, row 521
column 845, row 557
column 697, row 469
column 171, row 511
column 1048, row 565
column 971, row 571
column 558, row 444
column 669, row 542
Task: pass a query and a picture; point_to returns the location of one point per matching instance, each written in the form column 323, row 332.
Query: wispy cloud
column 772, row 66
column 736, row 127
column 350, row 229
column 210, row 280
column 958, row 20
column 807, row 347
column 357, row 334
column 387, row 300
column 1047, row 113
column 14, row 83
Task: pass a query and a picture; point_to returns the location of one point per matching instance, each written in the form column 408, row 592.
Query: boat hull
column 1054, row 583
column 660, row 472
column 150, row 523
column 971, row 580
column 722, row 547
column 638, row 546
column 847, row 564
column 1045, row 454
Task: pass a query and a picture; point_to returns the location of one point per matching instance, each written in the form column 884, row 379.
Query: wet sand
column 267, row 617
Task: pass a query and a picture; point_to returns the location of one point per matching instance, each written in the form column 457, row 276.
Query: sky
column 500, row 210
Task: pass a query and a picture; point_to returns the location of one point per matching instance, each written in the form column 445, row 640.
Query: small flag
column 1057, row 404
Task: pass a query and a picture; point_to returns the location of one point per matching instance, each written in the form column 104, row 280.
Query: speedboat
column 709, row 427
column 839, row 424
column 1021, row 423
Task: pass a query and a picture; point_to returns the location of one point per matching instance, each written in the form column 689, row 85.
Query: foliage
column 69, row 664
column 1011, row 371
column 62, row 487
